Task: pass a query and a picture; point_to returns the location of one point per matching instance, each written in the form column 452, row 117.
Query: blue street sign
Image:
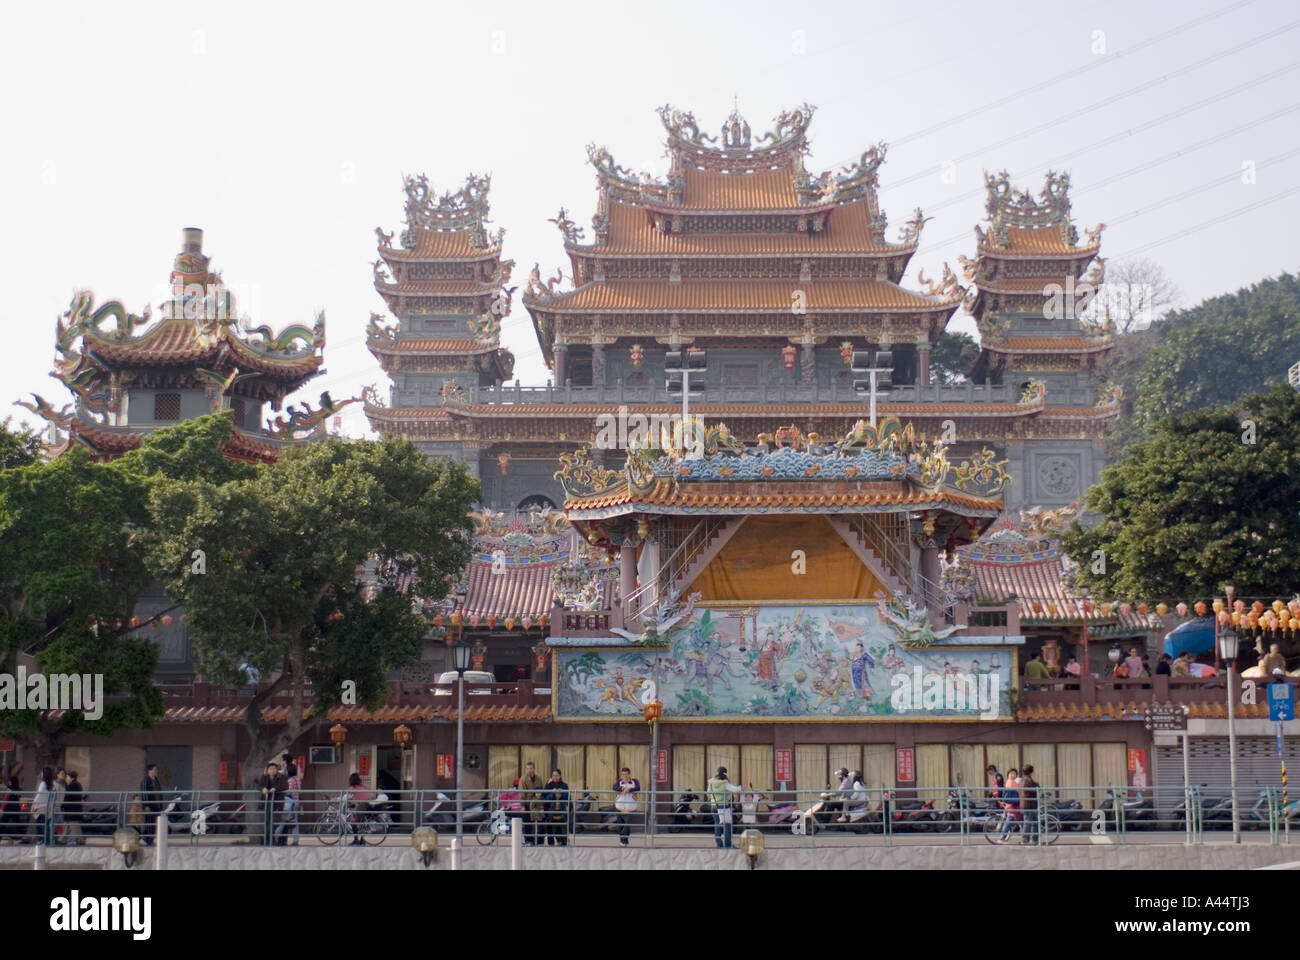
column 1281, row 703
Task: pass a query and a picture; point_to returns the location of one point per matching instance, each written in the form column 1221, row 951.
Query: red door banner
column 223, row 772
column 906, row 764
column 784, row 766
column 661, row 766
column 363, row 764
column 446, row 765
column 301, row 764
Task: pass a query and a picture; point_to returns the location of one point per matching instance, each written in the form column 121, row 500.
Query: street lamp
column 402, row 736
column 879, row 377
column 1228, row 650
column 678, row 367
column 461, row 653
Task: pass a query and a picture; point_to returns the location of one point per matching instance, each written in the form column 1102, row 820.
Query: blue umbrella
column 1195, row 636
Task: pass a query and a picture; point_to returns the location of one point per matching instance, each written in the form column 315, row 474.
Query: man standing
column 72, row 810
column 1273, row 660
column 151, row 801
column 273, row 786
column 720, row 790
column 530, row 798
column 556, row 810
column 1028, row 805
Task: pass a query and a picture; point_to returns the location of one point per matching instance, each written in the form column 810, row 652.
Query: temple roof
column 740, row 295
column 450, row 226
column 1020, row 226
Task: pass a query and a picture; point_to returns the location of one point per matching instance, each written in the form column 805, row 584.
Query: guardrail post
column 268, row 808
column 162, row 828
column 455, row 853
column 963, row 808
column 516, row 843
column 1119, row 812
column 889, row 819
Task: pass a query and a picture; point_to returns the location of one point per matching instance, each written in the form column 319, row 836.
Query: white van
column 471, row 676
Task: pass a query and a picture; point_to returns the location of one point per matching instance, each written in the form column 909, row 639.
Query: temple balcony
column 523, row 693
column 1096, row 694
column 515, row 394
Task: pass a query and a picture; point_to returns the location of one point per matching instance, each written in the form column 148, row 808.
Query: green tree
column 18, row 447
column 70, row 574
column 284, row 592
column 1217, row 352
column 1212, row 497
column 951, row 357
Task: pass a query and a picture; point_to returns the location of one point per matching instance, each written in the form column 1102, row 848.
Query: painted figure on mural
column 858, row 668
column 769, row 660
column 892, row 661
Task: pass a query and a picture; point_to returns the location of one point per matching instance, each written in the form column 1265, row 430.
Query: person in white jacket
column 41, row 806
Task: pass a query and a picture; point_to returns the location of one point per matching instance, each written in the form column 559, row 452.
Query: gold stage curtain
column 931, row 769
column 602, row 771
column 1109, row 769
column 756, row 764
column 503, row 767
column 1005, row 755
column 757, row 565
column 636, row 757
column 722, row 755
column 540, row 757
column 878, row 769
column 967, row 769
column 569, row 758
column 1074, row 769
column 688, row 769
column 1042, row 757
column 811, row 771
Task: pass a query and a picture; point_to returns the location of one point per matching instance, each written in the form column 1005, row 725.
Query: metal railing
column 938, row 815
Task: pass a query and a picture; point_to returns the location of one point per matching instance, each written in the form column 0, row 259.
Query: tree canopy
column 281, row 589
column 1212, row 497
column 18, row 446
column 951, row 357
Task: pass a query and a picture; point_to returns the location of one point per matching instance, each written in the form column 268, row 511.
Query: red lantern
column 636, row 355
column 338, row 733
column 527, row 623
column 167, row 620
column 1142, row 609
column 654, row 710
column 541, row 622
column 492, row 621
column 503, row 463
column 473, row 619
column 401, row 734
column 788, row 353
column 846, row 352
column 135, row 621
column 437, row 620
column 1125, row 609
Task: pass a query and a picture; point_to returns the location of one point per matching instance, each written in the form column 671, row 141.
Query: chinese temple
column 140, row 374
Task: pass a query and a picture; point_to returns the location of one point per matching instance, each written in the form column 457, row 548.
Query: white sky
column 283, row 132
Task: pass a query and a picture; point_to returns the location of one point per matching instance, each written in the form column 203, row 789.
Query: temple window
column 166, row 406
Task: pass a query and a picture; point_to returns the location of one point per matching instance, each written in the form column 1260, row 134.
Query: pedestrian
column 273, row 785
column 1182, row 667
column 1010, row 804
column 720, row 790
column 1028, row 805
column 291, row 819
column 556, row 810
column 56, row 805
column 996, row 781
column 1073, row 668
column 1134, row 664
column 73, row 809
column 530, row 798
column 359, row 802
column 1272, row 662
column 11, row 811
column 41, row 806
column 1164, row 667
column 625, row 790
column 151, row 802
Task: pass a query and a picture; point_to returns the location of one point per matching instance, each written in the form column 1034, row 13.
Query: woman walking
column 41, row 806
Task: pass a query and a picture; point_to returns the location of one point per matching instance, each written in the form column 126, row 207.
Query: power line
column 1156, row 121
column 1070, row 74
column 1104, row 102
column 1211, row 222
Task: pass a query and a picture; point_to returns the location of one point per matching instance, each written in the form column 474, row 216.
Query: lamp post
column 879, row 373
column 461, row 652
column 653, row 711
column 678, row 367
column 1083, row 602
column 1228, row 650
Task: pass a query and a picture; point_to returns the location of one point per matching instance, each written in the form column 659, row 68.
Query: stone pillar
column 598, row 365
column 627, row 576
column 923, row 363
column 808, row 366
column 930, row 570
column 561, row 364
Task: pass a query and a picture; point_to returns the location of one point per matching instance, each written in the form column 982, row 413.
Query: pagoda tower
column 137, row 376
column 445, row 283
column 1029, row 298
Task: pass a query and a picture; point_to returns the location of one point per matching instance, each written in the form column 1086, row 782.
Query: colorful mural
column 827, row 662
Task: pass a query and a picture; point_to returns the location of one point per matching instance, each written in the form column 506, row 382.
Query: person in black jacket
column 151, row 802
column 1028, row 806
column 274, row 785
column 72, row 809
column 556, row 810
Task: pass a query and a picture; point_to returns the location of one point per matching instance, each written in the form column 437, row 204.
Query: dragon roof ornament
column 736, row 140
column 465, row 209
column 1008, row 208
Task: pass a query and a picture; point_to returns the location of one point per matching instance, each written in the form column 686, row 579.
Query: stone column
column 598, row 365
column 627, row 575
column 808, row 365
column 561, row 364
column 923, row 363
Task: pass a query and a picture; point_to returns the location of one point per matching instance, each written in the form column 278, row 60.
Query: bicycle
column 497, row 826
column 1006, row 829
column 369, row 826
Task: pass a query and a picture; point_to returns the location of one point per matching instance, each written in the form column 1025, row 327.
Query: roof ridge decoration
column 886, row 452
column 788, row 133
column 1008, row 208
column 465, row 209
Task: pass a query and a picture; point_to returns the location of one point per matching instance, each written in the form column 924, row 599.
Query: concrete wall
column 398, row 855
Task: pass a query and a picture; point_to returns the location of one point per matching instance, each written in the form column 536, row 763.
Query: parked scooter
column 1139, row 813
column 685, row 817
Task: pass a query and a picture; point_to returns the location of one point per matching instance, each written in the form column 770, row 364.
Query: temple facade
column 779, row 275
